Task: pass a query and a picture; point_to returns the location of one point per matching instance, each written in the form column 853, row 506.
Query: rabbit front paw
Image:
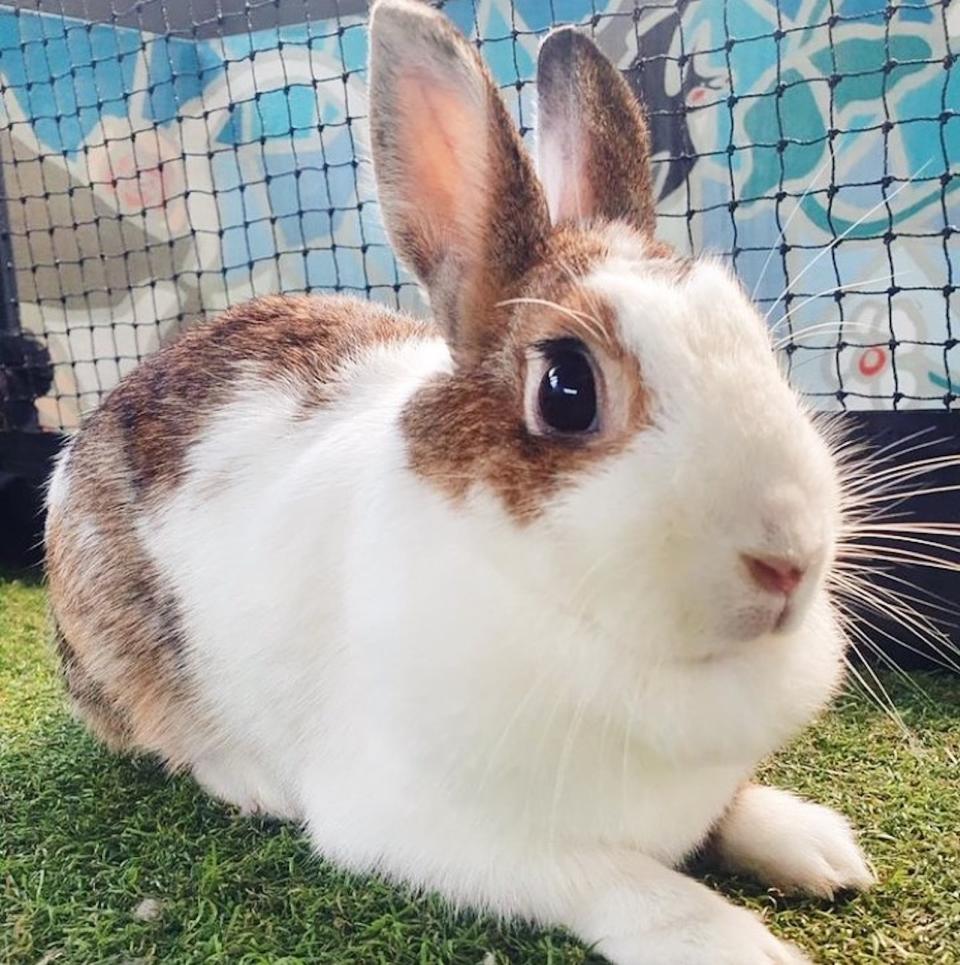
column 792, row 844
column 732, row 937
column 681, row 923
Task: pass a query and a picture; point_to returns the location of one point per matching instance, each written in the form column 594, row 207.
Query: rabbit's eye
column 567, row 397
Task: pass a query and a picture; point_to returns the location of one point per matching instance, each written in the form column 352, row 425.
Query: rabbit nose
column 774, row 574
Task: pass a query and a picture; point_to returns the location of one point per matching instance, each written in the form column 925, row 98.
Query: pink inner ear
column 443, row 147
column 563, row 173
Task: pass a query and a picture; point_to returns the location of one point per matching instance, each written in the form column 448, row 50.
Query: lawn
column 107, row 860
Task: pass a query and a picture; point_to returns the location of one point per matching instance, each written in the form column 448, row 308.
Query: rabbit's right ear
column 460, row 198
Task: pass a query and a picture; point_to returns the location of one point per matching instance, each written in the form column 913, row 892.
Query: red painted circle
column 872, row 361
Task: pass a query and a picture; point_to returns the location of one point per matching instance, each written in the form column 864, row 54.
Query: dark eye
column 568, row 394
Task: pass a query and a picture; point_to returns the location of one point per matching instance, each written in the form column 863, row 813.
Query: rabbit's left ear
column 593, row 145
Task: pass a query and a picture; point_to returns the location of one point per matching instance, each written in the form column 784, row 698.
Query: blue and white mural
column 152, row 180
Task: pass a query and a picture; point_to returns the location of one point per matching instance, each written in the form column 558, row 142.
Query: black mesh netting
column 162, row 160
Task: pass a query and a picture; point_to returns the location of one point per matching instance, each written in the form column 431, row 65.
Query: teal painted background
column 151, row 181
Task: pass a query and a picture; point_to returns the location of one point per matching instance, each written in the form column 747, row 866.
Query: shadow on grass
column 706, row 868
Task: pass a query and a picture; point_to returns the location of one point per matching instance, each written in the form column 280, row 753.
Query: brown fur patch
column 86, row 693
column 468, row 427
column 105, row 717
column 163, row 406
column 117, row 627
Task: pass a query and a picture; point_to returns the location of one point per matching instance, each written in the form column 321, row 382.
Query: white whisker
column 588, row 322
column 821, row 329
column 783, row 231
column 887, row 198
column 832, row 290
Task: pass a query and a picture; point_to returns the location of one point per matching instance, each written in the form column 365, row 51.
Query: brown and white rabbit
column 508, row 605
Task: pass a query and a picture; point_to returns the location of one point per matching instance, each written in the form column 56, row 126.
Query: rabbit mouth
column 757, row 623
column 775, row 621
column 785, row 619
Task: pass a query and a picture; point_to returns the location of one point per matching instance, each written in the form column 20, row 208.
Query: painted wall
column 152, row 180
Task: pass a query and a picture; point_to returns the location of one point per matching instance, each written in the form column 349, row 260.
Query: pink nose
column 773, row 574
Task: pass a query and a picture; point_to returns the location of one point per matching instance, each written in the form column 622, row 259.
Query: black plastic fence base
column 933, row 592
column 26, row 459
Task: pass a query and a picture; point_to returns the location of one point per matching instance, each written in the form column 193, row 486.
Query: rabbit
column 506, row 605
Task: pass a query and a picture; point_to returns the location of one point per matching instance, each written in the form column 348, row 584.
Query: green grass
column 85, row 837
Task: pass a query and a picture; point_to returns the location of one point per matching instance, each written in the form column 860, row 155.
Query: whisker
column 930, row 491
column 581, row 318
column 837, row 288
column 625, row 758
column 899, row 556
column 593, row 300
column 907, row 617
column 879, row 533
column 928, row 529
column 860, row 466
column 928, row 599
column 892, row 449
column 783, row 231
column 887, row 198
column 922, row 597
column 918, row 467
column 888, row 661
column 886, row 707
column 563, row 763
column 943, row 659
column 899, row 537
column 820, row 329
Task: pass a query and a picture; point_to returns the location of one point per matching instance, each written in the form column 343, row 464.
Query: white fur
column 58, row 487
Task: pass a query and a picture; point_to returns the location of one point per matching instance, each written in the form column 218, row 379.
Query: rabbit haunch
column 118, row 629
